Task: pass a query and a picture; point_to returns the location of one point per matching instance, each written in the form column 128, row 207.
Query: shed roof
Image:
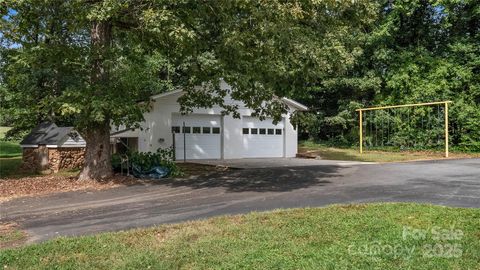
column 46, row 133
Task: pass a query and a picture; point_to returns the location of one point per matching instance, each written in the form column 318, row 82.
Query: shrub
column 147, row 160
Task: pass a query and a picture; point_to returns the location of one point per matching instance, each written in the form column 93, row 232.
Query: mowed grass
column 10, row 167
column 337, row 237
column 8, row 148
column 10, row 235
column 352, row 154
column 10, row 155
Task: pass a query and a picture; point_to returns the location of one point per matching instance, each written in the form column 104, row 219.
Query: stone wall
column 55, row 159
column 65, row 158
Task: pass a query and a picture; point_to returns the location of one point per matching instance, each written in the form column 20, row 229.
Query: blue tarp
column 156, row 172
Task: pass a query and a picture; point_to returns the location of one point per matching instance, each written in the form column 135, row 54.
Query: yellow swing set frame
column 445, row 103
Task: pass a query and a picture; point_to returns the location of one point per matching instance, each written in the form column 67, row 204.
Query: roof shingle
column 46, row 133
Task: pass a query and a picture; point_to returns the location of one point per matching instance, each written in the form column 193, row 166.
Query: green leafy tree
column 94, row 63
column 415, row 51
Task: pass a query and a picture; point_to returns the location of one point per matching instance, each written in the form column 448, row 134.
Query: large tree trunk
column 97, row 155
column 97, row 135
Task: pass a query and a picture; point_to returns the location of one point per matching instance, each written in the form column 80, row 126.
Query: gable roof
column 287, row 101
column 46, row 133
column 157, row 96
column 295, row 104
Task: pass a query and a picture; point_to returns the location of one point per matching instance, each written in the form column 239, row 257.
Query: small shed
column 49, row 146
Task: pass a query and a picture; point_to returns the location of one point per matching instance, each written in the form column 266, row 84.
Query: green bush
column 116, row 162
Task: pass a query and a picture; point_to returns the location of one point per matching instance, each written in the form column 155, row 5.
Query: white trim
column 222, row 137
column 166, row 94
column 71, row 146
column 28, row 145
column 66, row 146
column 295, row 104
column 52, row 146
column 127, row 133
column 284, row 134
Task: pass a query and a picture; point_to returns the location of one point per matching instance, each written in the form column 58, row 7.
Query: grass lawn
column 8, row 149
column 10, row 156
column 380, row 236
column 312, row 149
column 3, row 130
column 9, row 166
column 10, row 235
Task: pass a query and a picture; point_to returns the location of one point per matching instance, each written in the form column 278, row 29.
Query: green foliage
column 147, row 160
column 415, row 51
column 334, row 56
column 3, row 131
column 261, row 49
column 116, row 162
column 92, row 64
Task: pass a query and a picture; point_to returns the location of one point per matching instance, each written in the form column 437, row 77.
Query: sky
column 11, row 12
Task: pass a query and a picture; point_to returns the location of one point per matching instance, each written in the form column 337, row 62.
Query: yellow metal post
column 403, row 106
column 361, row 131
column 446, row 129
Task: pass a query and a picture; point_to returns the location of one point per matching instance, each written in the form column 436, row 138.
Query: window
column 176, row 129
column 246, row 131
column 206, row 130
column 253, row 131
column 216, row 130
column 196, row 129
column 271, row 131
column 262, row 131
column 278, row 131
column 186, row 129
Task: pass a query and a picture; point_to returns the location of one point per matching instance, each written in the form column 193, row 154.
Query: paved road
column 453, row 182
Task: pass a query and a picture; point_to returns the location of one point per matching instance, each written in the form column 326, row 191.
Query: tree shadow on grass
column 260, row 180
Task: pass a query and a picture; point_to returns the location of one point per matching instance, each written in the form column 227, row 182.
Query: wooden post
column 361, row 131
column 446, row 129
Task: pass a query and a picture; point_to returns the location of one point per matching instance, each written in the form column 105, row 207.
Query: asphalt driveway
column 448, row 182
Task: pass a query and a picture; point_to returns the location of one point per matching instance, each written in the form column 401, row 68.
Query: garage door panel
column 262, row 138
column 198, row 146
column 202, row 136
column 263, row 147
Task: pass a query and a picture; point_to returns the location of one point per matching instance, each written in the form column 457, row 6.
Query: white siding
column 69, row 142
column 291, row 138
column 158, row 122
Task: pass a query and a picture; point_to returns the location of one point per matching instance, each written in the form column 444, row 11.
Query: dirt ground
column 39, row 185
column 42, row 185
column 11, row 235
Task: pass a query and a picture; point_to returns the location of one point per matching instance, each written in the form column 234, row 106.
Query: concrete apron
column 251, row 163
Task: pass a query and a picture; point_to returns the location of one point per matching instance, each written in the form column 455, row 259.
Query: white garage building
column 206, row 134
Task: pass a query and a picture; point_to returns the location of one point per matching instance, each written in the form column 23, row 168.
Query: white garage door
column 262, row 138
column 200, row 138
